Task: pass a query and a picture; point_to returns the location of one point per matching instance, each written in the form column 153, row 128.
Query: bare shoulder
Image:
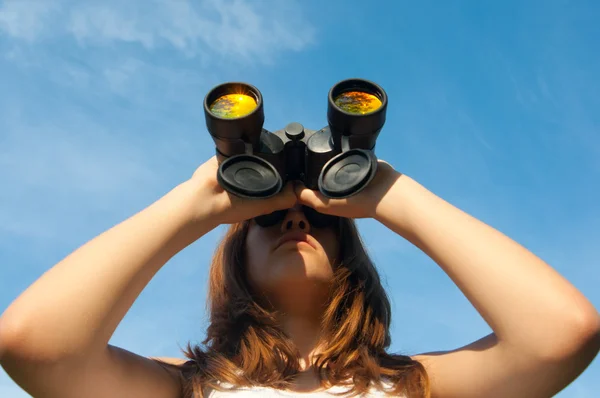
column 171, row 365
column 486, row 368
column 170, row 360
column 114, row 372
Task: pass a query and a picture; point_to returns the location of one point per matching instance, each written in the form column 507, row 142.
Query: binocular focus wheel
column 249, row 176
column 347, row 173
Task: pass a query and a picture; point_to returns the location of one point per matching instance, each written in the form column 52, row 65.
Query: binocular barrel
column 338, row 159
column 234, row 114
column 357, row 108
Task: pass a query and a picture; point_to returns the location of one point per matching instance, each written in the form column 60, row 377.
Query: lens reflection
column 231, row 106
column 357, row 102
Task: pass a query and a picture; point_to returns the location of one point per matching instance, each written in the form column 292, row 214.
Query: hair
column 245, row 345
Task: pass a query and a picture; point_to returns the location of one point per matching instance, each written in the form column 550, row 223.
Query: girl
column 296, row 306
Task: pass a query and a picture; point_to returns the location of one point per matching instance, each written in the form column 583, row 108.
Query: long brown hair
column 245, row 346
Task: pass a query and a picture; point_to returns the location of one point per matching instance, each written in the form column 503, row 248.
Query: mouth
column 296, row 237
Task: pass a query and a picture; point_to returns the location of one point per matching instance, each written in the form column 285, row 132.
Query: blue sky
column 492, row 105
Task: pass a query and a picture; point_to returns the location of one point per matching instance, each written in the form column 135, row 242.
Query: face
column 291, row 260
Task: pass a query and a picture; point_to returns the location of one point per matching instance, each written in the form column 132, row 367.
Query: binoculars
column 338, row 160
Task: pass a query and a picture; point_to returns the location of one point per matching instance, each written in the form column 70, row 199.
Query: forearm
column 76, row 306
column 526, row 303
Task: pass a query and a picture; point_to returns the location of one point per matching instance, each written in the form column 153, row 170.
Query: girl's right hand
column 225, row 208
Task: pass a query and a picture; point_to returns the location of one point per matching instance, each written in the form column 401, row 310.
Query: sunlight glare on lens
column 358, row 102
column 234, row 105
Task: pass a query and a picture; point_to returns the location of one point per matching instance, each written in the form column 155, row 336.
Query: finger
column 309, row 197
column 285, row 199
column 213, row 161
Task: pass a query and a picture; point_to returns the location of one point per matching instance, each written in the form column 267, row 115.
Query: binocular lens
column 231, row 106
column 357, row 102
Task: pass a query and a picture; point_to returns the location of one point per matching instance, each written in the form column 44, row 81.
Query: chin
column 304, row 268
column 303, row 288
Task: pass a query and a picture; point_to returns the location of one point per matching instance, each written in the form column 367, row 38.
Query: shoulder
column 170, row 361
column 171, row 365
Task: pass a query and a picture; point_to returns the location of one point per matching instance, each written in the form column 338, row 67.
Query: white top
column 267, row 392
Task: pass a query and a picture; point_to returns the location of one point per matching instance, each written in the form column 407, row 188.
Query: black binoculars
column 338, row 160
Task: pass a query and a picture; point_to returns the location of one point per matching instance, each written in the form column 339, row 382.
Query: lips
column 296, row 236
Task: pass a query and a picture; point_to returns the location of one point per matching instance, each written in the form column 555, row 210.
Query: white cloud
column 236, row 29
column 25, row 19
column 78, row 164
column 97, row 22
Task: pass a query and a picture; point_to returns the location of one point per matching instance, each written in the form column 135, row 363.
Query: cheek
column 333, row 251
column 255, row 257
column 329, row 241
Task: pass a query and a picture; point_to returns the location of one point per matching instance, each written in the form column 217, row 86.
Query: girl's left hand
column 361, row 205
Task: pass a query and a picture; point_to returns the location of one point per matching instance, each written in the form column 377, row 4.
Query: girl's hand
column 361, row 205
column 224, row 208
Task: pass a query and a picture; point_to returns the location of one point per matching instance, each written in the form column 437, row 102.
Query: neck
column 305, row 332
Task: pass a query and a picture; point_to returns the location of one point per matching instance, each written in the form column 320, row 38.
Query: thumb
column 285, row 199
column 309, row 197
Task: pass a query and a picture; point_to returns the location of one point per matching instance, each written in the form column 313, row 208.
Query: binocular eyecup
column 339, row 159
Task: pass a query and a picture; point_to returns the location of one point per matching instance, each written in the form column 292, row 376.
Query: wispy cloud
column 74, row 151
column 250, row 31
column 26, row 20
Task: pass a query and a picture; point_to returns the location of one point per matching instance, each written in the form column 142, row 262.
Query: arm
column 545, row 332
column 54, row 336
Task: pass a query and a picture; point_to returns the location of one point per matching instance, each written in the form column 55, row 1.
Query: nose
column 295, row 219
